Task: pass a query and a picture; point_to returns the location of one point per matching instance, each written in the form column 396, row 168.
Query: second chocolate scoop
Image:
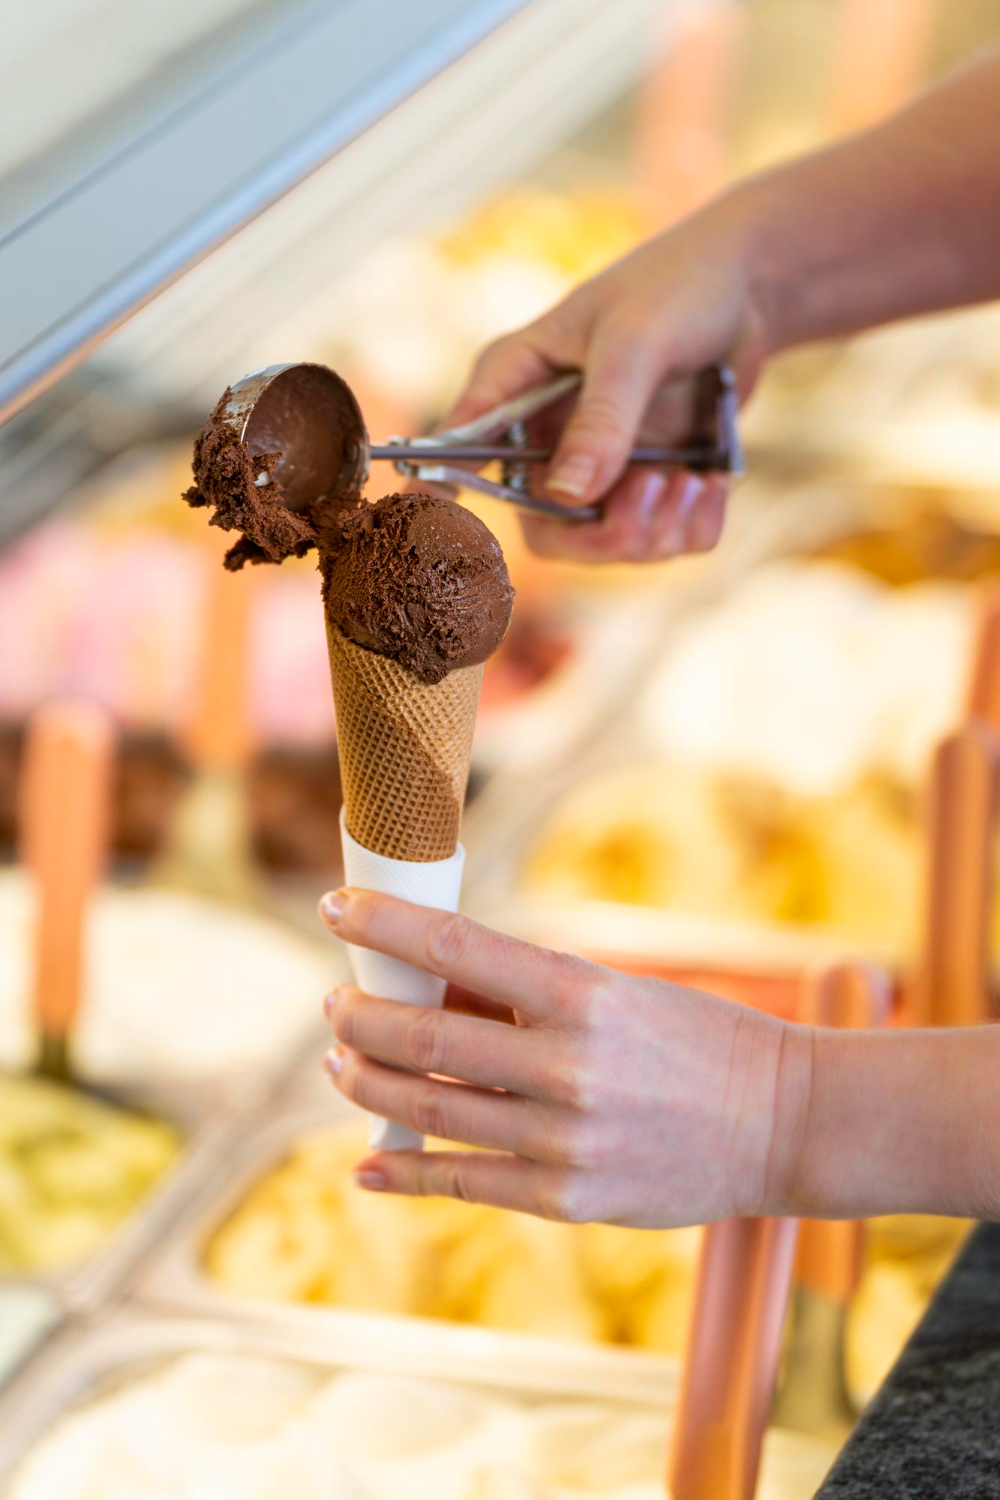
column 419, row 579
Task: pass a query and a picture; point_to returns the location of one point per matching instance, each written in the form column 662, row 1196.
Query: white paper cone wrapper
column 436, row 883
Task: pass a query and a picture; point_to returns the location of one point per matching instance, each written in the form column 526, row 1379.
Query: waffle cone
column 404, row 751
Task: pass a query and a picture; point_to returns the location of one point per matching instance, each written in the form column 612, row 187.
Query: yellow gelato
column 305, row 1233
column 906, row 1256
column 665, row 835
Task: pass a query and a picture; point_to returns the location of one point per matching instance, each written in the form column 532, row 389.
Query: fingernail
column 371, row 1179
column 330, row 1001
column 333, row 1061
column 331, row 907
column 573, row 475
column 651, row 494
column 691, row 492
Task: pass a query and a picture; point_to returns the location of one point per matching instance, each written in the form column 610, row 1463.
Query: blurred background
column 744, row 800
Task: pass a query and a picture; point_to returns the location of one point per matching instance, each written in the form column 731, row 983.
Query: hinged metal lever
column 500, row 436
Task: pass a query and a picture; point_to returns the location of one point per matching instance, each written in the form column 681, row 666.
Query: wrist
column 737, row 224
column 790, row 1111
column 764, row 219
column 898, row 1122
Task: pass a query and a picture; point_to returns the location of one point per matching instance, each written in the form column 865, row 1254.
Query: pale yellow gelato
column 305, row 1233
column 71, row 1169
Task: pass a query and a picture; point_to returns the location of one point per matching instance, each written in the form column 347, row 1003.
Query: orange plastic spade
column 731, row 1359
column 207, row 846
column 951, row 986
column 64, row 811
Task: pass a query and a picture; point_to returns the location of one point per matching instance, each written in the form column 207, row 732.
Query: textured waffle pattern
column 404, row 751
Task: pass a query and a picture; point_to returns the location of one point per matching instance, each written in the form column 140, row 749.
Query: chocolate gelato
column 415, row 592
column 413, row 577
column 419, row 579
column 285, row 481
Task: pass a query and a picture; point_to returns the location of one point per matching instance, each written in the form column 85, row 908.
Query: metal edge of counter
column 277, row 107
column 490, row 116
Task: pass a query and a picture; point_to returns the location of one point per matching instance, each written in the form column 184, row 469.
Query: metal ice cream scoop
column 309, row 415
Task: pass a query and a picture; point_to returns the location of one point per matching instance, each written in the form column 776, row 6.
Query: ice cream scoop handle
column 731, row 1359
column 952, row 984
column 435, row 883
column 64, row 808
column 218, row 735
column 469, row 480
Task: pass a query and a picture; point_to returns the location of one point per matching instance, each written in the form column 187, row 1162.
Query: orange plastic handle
column 732, row 1358
column 951, row 985
column 64, row 813
column 880, row 58
column 854, row 996
column 984, row 685
column 218, row 736
column 680, row 138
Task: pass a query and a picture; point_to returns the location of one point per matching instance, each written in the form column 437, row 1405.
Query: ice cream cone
column 416, row 597
column 405, row 747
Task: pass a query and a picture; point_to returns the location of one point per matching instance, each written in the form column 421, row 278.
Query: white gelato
column 811, row 676
column 176, row 988
column 211, row 1427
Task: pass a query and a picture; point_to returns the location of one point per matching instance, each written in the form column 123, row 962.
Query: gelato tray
column 27, row 1316
column 286, row 1233
column 181, row 995
column 179, row 1410
column 88, row 1184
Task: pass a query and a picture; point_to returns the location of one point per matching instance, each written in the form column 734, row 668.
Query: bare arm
column 902, row 219
column 631, row 1101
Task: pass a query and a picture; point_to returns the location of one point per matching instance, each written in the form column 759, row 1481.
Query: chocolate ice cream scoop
column 284, row 451
column 421, row 580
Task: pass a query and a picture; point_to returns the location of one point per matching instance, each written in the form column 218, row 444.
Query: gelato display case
column 713, row 772
column 160, row 1404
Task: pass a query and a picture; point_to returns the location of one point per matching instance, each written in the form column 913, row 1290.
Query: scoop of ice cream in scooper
column 416, row 598
column 283, row 450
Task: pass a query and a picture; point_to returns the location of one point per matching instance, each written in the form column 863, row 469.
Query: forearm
column 895, row 1122
column 901, row 220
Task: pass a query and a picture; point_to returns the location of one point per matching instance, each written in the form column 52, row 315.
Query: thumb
column 505, row 369
column 619, row 378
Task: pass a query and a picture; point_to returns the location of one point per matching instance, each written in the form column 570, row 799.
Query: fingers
column 622, row 533
column 647, row 518
column 691, row 516
column 539, row 984
column 709, row 514
column 470, row 1048
column 620, row 375
column 477, row 1177
column 448, row 1111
